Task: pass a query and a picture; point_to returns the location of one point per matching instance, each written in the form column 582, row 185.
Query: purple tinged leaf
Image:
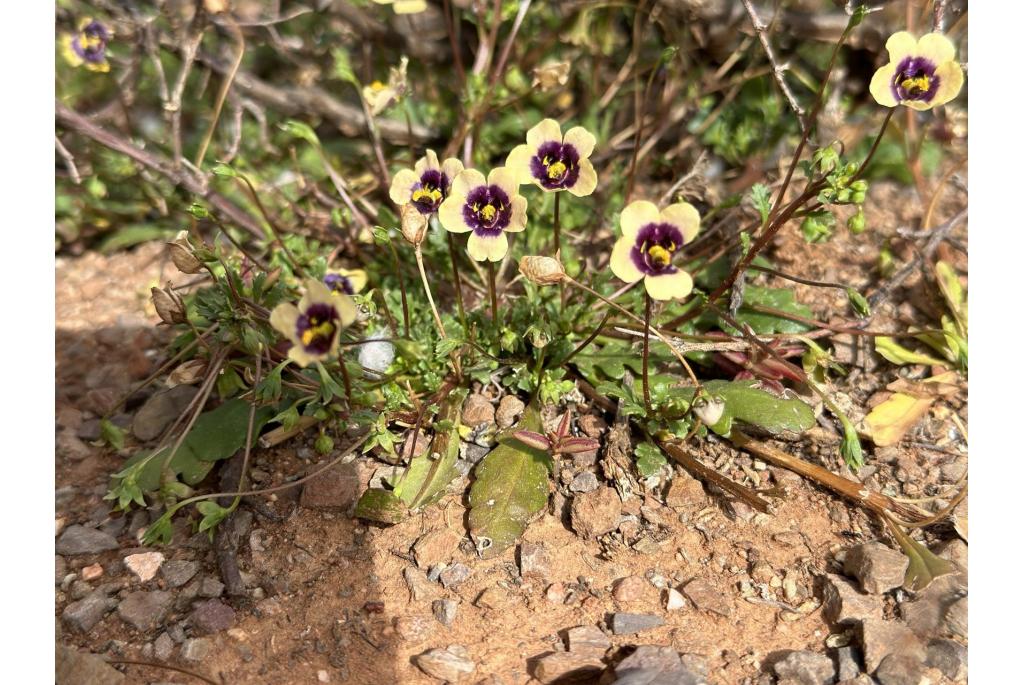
column 577, row 445
column 531, row 439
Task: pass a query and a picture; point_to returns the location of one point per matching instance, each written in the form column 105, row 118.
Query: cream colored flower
column 555, row 163
column 650, row 240
column 426, row 185
column 405, row 6
column 487, row 208
column 314, row 326
column 920, row 74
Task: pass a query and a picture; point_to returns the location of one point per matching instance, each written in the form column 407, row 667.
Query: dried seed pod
column 183, row 255
column 542, row 270
column 167, row 307
column 414, row 224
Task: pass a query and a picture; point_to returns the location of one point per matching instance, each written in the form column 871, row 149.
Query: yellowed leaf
column 888, row 422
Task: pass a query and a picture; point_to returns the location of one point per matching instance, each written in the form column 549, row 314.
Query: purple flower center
column 339, row 284
column 915, row 80
column 556, row 165
column 655, row 246
column 317, row 328
column 487, row 211
column 430, row 192
column 90, row 43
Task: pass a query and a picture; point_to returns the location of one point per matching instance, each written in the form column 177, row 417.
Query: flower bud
column 414, row 224
column 168, row 309
column 549, row 75
column 542, row 270
column 856, row 223
column 709, row 409
column 184, row 256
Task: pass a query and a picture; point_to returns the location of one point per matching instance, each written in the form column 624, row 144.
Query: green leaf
column 343, row 66
column 383, row 506
column 300, row 130
column 858, row 303
column 649, row 459
column 224, row 171
column 511, row 487
column 782, row 299
column 113, row 435
column 747, row 403
column 213, row 514
column 429, row 474
column 899, row 355
column 614, row 358
column 216, row 435
column 761, row 197
column 132, row 234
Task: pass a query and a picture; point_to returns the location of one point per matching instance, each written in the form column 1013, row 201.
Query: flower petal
column 622, row 261
column 451, row 168
column 919, row 105
column 401, row 186
column 900, row 45
column 951, row 80
column 346, row 308
column 518, row 221
column 881, row 86
column 937, row 48
column 487, row 248
column 301, row 357
column 683, row 216
column 636, row 215
column 586, row 182
column 284, row 319
column 546, row 131
column 466, row 181
column 450, row 214
column 581, row 139
column 427, row 161
column 317, row 292
column 673, row 286
column 356, row 278
column 518, row 162
column 505, row 179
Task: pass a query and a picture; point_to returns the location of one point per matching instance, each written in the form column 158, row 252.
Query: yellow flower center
column 376, row 86
column 556, row 170
column 488, row 212
column 661, row 256
column 88, row 41
column 920, row 84
column 317, row 329
column 431, row 195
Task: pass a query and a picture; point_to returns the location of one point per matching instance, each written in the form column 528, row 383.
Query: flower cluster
column 87, row 46
column 921, row 73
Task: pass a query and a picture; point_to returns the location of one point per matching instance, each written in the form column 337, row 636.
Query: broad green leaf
column 511, row 487
column 615, row 357
column 924, row 565
column 429, row 474
column 747, row 403
column 217, row 434
column 897, row 354
column 383, row 506
column 649, row 459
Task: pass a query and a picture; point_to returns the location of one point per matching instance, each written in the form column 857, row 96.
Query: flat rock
column 420, row 587
column 445, row 664
column 145, row 611
column 454, row 575
column 144, row 565
column 595, row 513
column 880, row 638
column 83, row 668
column 509, row 410
column 950, row 657
column 195, row 649
column 445, row 611
column 627, row 624
column 534, row 561
column 336, row 489
column 956, row 618
column 901, row 669
column 589, row 640
column 633, row 589
column 584, row 481
column 436, row 547
column 843, row 603
column 567, row 667
column 707, row 597
column 877, row 567
column 928, row 615
column 849, row 660
column 684, row 491
column 654, row 665
column 78, row 539
column 806, row 668
column 163, row 647
column 82, row 615
column 212, row 616
column 674, row 600
column 477, row 411
column 160, row 409
column 177, row 572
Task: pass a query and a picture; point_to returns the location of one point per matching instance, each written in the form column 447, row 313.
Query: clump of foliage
column 359, row 284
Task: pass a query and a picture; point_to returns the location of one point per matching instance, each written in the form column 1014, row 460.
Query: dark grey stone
column 82, row 615
column 145, row 610
column 627, row 624
column 806, row 668
column 78, row 539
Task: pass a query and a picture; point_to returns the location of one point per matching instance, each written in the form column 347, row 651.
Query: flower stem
column 430, row 298
column 458, row 281
column 493, row 291
column 634, row 317
column 557, row 223
column 646, row 353
column 345, row 377
column 401, row 287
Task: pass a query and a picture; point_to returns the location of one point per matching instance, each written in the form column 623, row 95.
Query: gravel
column 212, row 616
column 177, row 572
column 445, row 611
column 628, row 624
column 843, row 603
column 445, row 664
column 595, row 513
column 707, row 597
column 82, row 615
column 877, row 567
column 145, row 611
column 806, row 668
